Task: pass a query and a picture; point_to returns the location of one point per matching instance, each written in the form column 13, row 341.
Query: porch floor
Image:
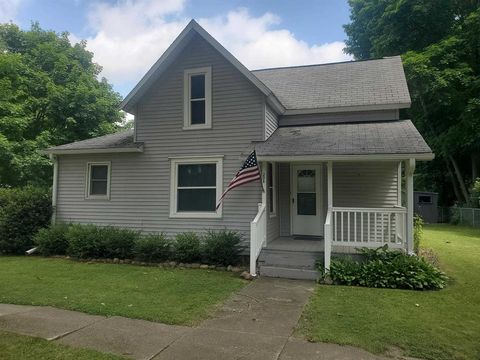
column 296, row 243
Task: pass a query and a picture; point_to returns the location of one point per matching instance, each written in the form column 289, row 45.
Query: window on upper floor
column 98, row 180
column 196, row 186
column 198, row 98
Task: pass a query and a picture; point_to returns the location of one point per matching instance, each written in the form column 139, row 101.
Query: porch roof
column 389, row 139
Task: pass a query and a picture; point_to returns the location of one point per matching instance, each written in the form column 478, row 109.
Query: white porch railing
column 369, row 227
column 328, row 234
column 258, row 236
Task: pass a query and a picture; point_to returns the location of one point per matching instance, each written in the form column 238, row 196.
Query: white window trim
column 174, row 162
column 187, row 74
column 274, row 191
column 87, row 180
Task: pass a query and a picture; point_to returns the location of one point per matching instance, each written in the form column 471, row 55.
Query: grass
column 436, row 325
column 171, row 296
column 18, row 347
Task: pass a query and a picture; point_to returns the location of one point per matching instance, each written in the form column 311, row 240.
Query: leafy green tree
column 440, row 45
column 50, row 94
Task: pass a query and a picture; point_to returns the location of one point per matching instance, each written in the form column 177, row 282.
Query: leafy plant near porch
column 383, row 268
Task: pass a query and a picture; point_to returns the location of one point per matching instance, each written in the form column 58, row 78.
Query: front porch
column 311, row 210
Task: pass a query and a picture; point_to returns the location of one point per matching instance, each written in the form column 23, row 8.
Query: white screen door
column 306, row 200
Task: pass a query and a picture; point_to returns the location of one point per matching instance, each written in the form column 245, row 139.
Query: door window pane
column 306, row 204
column 197, row 112
column 197, row 90
column 306, row 181
column 197, row 175
column 196, row 200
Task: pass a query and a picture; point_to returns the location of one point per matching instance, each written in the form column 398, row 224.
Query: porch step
column 288, row 272
column 289, row 259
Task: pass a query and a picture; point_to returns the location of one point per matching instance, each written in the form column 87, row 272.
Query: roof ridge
column 324, row 64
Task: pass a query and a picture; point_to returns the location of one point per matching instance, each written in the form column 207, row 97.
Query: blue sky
column 127, row 36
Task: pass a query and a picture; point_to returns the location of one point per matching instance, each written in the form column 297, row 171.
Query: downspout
column 54, row 159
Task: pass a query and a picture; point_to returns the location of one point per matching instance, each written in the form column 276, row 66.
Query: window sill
column 196, row 215
column 93, row 197
column 273, row 215
column 197, row 127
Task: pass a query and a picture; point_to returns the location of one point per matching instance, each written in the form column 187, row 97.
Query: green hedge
column 23, row 211
column 383, row 268
column 90, row 241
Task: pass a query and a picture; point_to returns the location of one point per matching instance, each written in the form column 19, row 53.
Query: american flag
column 248, row 172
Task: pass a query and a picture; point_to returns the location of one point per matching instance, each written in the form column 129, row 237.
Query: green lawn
column 433, row 325
column 18, row 347
column 171, row 296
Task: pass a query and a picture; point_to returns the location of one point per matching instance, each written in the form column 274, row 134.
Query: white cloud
column 9, row 10
column 129, row 36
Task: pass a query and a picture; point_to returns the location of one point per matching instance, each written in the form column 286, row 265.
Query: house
column 329, row 140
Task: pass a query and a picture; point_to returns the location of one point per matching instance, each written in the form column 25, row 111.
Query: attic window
column 197, row 98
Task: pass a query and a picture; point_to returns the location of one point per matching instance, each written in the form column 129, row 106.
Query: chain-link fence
column 459, row 215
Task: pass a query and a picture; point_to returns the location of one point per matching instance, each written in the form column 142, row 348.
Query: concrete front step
column 288, row 272
column 292, row 259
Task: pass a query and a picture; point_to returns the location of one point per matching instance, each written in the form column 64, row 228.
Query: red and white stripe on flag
column 249, row 172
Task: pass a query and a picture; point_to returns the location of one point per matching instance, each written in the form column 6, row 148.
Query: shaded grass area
column 18, row 347
column 441, row 324
column 171, row 296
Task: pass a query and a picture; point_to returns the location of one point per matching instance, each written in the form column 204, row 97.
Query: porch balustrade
column 258, row 236
column 369, row 227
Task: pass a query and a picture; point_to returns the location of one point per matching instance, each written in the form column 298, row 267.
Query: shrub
column 222, row 247
column 23, row 211
column 117, row 243
column 417, row 233
column 387, row 269
column 52, row 240
column 90, row 241
column 152, row 248
column 84, row 241
column 186, row 247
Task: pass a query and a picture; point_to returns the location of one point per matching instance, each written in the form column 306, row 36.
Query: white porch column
column 54, row 159
column 399, row 184
column 328, row 229
column 409, row 170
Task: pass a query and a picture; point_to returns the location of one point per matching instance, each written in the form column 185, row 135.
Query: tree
column 50, row 94
column 440, row 47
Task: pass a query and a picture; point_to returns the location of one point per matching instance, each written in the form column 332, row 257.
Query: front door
column 306, row 200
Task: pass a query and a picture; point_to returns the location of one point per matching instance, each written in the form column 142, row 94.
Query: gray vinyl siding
column 140, row 183
column 284, row 198
column 271, row 121
column 365, row 184
column 339, row 117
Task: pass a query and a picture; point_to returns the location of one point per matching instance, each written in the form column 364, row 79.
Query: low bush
column 23, row 211
column 383, row 268
column 222, row 247
column 152, row 248
column 186, row 247
column 84, row 241
column 117, row 242
column 52, row 240
column 90, row 241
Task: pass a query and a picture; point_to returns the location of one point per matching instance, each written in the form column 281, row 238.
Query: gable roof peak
column 167, row 58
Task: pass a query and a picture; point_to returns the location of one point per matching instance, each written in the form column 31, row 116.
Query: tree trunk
column 459, row 177
column 456, row 190
column 474, row 157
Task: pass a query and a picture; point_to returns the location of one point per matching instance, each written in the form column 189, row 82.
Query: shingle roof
column 390, row 137
column 347, row 84
column 121, row 140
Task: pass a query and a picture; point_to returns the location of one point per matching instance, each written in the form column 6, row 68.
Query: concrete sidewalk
column 256, row 323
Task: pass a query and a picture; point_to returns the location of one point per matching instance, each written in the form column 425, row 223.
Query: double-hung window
column 196, row 187
column 98, row 180
column 272, row 189
column 197, row 98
